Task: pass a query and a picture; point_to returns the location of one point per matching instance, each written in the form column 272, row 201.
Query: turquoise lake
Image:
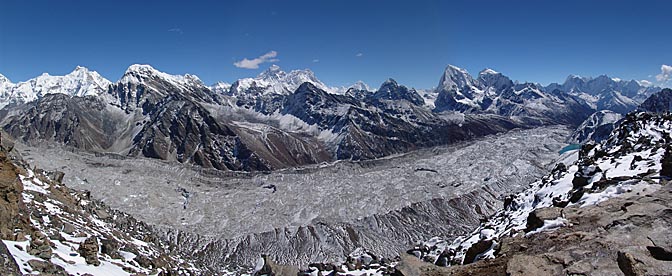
column 570, row 147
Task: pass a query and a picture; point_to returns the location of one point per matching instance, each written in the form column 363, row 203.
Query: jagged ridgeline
column 280, row 120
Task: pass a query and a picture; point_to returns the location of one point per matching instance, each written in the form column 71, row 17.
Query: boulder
column 89, row 250
column 629, row 265
column 476, row 249
column 40, row 245
column 536, row 218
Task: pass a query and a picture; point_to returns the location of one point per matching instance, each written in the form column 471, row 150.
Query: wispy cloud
column 645, row 83
column 665, row 73
column 176, row 30
column 316, row 60
column 254, row 63
column 359, row 54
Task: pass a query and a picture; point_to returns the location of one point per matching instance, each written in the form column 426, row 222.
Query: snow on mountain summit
column 80, row 82
column 455, row 78
column 276, row 81
column 139, row 73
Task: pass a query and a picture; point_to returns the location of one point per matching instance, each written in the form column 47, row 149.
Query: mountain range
column 283, row 119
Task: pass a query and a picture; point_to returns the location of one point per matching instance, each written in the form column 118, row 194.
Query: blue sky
column 341, row 41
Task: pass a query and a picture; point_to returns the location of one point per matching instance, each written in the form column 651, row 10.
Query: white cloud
column 316, row 60
column 645, row 83
column 176, row 30
column 254, row 63
column 665, row 73
column 359, row 54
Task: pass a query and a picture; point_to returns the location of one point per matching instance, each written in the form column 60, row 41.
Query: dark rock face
column 660, row 102
column 187, row 132
column 390, row 90
column 81, row 122
column 666, row 166
column 476, row 249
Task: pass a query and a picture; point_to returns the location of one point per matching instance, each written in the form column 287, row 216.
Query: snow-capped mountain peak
column 391, row 90
column 389, row 82
column 488, row 71
column 494, row 80
column 220, row 87
column 4, row 79
column 604, row 92
column 455, row 78
column 140, row 73
column 276, row 81
column 360, row 85
column 80, row 82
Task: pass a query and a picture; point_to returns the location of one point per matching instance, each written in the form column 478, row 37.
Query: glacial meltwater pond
column 570, row 147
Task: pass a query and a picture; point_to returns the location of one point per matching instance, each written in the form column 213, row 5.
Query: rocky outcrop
column 46, row 268
column 12, row 210
column 59, row 217
column 270, row 268
column 40, row 245
column 537, row 217
column 89, row 250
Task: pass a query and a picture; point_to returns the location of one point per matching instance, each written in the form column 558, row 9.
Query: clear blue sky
column 341, row 41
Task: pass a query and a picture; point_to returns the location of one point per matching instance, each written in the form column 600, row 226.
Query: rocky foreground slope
column 607, row 213
column 49, row 229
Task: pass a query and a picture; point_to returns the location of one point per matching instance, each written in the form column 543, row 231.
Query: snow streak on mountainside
column 596, row 128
